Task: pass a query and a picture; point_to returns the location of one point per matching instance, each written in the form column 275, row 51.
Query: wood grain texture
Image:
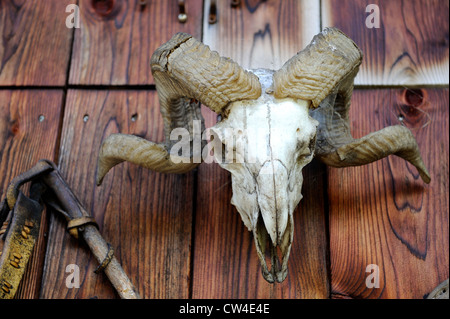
column 146, row 216
column 35, row 42
column 382, row 213
column 261, row 34
column 411, row 46
column 24, row 140
column 115, row 48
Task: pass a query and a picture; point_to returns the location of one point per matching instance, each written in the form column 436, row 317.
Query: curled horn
column 186, row 73
column 318, row 70
column 324, row 73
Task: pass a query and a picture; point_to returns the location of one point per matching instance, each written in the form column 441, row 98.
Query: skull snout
column 273, row 200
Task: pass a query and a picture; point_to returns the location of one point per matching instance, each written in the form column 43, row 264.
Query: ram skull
column 281, row 119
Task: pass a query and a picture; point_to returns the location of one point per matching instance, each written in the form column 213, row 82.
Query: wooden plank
column 382, row 213
column 146, row 216
column 34, row 50
column 29, row 123
column 261, row 34
column 115, row 48
column 410, row 47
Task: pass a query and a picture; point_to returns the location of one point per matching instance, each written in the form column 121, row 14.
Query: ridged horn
column 318, row 70
column 118, row 148
column 186, row 73
column 336, row 147
column 324, row 73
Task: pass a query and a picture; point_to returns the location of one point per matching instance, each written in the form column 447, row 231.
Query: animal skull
column 281, row 119
column 279, row 141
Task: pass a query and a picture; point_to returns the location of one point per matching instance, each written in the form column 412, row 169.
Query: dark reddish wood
column 410, row 47
column 114, row 45
column 29, row 122
column 146, row 216
column 383, row 213
column 35, row 42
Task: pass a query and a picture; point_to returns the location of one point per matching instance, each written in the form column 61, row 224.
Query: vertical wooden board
column 114, row 44
column 261, row 34
column 410, row 47
column 225, row 260
column 256, row 34
column 29, row 124
column 382, row 213
column 146, row 216
column 36, row 44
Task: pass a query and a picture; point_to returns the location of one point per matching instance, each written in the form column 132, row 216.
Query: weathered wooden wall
column 409, row 48
column 177, row 236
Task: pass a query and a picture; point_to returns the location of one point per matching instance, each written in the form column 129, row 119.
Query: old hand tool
column 21, row 217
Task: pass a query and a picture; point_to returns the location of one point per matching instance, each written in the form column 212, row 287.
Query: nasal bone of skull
column 273, row 200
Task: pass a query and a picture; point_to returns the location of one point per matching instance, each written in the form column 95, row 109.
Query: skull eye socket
column 229, row 154
column 233, row 144
column 306, row 151
column 312, row 144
